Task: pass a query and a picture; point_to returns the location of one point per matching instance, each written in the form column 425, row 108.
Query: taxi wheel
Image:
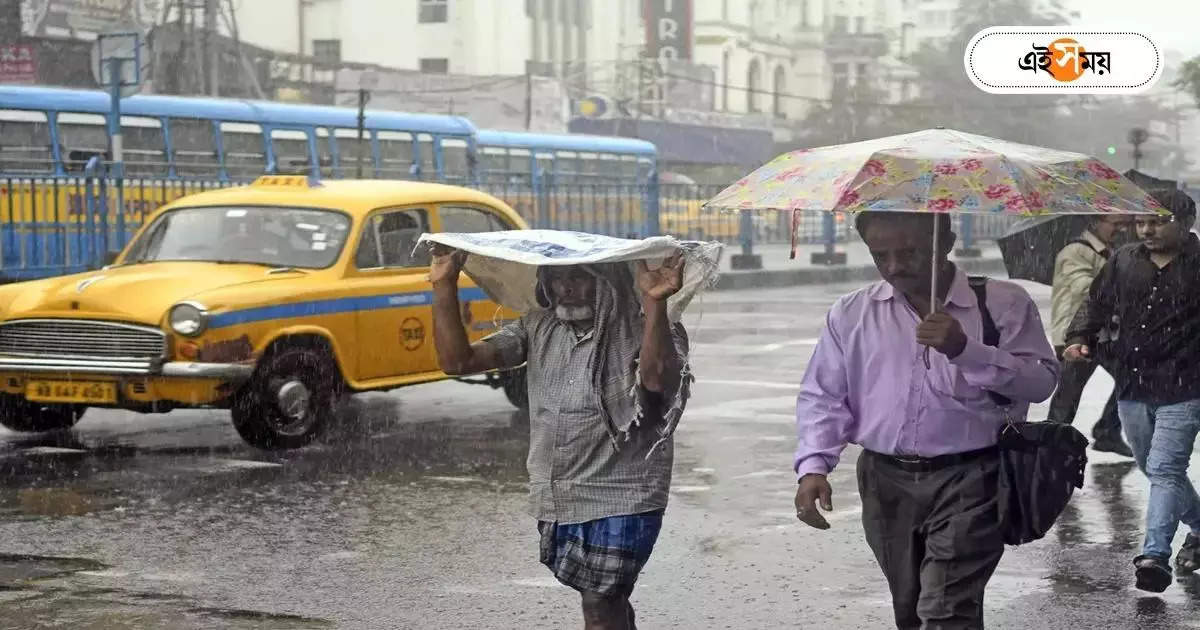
column 290, row 401
column 18, row 414
column 516, row 387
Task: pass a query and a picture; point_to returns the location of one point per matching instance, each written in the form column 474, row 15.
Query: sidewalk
column 779, row 271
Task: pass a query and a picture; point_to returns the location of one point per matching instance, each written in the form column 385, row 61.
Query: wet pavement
column 410, row 515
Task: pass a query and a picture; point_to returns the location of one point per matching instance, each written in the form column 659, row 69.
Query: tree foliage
column 947, row 98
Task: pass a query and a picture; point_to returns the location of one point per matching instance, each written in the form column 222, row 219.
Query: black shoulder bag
column 1041, row 463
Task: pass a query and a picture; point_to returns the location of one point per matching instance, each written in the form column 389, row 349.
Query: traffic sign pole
column 117, row 169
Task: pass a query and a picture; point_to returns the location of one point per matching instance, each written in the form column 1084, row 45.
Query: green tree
column 1188, row 78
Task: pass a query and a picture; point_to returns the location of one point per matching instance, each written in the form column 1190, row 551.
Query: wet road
column 410, row 515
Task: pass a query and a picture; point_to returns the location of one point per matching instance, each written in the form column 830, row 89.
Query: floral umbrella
column 936, row 170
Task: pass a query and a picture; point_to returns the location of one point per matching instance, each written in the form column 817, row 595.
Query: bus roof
column 564, row 142
column 265, row 112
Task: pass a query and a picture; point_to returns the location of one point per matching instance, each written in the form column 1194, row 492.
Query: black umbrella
column 1031, row 245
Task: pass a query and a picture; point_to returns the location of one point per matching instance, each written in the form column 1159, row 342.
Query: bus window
column 244, row 152
column 610, row 168
column 545, row 165
column 454, row 159
column 493, row 163
column 566, row 163
column 463, row 220
column 519, row 165
column 349, row 150
column 195, row 147
column 645, row 166
column 428, row 168
column 80, row 137
column 145, row 151
column 629, row 167
column 291, row 151
column 25, row 142
column 395, row 154
column 324, row 152
column 589, row 166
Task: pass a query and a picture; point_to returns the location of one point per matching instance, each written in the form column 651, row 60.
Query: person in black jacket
column 1143, row 310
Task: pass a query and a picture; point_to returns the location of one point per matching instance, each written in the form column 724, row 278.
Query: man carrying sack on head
column 608, row 380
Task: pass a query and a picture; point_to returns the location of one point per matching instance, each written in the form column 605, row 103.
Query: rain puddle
column 48, row 591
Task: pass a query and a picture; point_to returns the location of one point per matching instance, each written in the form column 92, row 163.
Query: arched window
column 779, row 89
column 753, row 86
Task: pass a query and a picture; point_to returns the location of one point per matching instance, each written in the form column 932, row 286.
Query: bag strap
column 991, row 334
column 1089, row 245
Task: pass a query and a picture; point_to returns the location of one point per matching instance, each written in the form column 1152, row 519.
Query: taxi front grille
column 74, row 338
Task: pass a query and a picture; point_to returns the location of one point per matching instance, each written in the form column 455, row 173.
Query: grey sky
column 1170, row 23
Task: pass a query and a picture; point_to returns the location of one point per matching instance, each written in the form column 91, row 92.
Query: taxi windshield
column 274, row 236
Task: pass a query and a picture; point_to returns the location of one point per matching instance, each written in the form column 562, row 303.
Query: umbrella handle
column 933, row 275
column 933, row 281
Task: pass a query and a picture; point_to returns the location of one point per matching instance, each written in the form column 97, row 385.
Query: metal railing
column 57, row 225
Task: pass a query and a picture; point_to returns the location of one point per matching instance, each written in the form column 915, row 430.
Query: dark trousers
column 936, row 536
column 1065, row 402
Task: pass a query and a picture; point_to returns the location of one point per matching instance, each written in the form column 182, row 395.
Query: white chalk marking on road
column 105, row 573
column 454, row 479
column 690, row 489
column 229, row 465
column 835, row 516
column 51, row 450
column 704, row 470
column 767, row 384
column 340, row 555
column 755, row 349
column 777, row 438
column 540, row 582
column 766, row 473
column 772, row 347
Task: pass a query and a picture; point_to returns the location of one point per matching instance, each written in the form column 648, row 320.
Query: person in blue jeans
column 1145, row 306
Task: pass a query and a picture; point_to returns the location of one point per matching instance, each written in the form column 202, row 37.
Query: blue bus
column 54, row 132
column 177, row 145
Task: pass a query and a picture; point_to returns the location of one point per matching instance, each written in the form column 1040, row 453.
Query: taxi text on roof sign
column 287, row 181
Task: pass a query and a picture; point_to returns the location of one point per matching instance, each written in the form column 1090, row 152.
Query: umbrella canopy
column 1031, row 245
column 937, row 170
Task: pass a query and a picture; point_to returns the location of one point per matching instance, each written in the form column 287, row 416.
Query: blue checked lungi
column 602, row 556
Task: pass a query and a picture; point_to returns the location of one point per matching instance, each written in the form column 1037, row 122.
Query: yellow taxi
column 272, row 300
column 688, row 218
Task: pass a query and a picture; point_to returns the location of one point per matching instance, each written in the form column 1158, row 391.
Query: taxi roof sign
column 287, row 181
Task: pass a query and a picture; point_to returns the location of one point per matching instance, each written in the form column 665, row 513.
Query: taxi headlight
column 188, row 319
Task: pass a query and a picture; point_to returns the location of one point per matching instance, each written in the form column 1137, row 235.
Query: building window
column 780, row 88
column 327, row 52
column 753, row 86
column 435, row 65
column 860, row 24
column 840, row 79
column 862, row 74
column 432, row 11
column 841, row 23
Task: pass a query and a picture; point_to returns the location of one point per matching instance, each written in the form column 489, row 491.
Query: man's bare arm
column 456, row 354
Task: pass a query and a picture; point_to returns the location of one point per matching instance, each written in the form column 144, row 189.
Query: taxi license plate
column 71, row 392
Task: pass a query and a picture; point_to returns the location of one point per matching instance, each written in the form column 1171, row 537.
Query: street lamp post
column 1138, row 137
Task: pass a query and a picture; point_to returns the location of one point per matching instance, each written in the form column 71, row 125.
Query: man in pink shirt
column 925, row 418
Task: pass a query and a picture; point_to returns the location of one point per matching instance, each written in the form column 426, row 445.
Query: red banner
column 18, row 64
